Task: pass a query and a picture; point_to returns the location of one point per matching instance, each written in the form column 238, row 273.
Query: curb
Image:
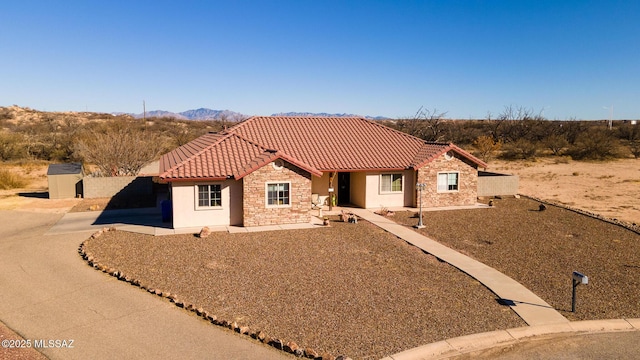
column 470, row 343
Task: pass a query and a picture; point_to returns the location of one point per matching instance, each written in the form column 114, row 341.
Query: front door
column 344, row 195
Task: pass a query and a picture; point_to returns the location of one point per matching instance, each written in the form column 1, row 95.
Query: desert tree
column 486, row 147
column 119, row 150
column 425, row 124
column 518, row 122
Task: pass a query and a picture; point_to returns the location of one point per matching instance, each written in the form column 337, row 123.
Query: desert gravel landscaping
column 541, row 249
column 349, row 289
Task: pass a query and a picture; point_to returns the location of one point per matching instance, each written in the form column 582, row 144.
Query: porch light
column 420, row 187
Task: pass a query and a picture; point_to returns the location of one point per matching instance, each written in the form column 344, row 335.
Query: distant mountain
column 208, row 114
column 307, row 114
column 197, row 114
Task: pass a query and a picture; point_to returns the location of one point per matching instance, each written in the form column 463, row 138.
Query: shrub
column 521, row 149
column 556, row 143
column 634, row 147
column 11, row 146
column 595, row 144
column 10, row 180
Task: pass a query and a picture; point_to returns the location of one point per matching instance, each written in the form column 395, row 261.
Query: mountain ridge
column 210, row 114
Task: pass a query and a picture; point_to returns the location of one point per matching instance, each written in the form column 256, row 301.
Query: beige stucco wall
column 185, row 213
column 255, row 210
column 358, row 189
column 374, row 198
column 467, row 193
column 320, row 185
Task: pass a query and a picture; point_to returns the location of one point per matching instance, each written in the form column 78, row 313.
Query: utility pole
column 144, row 112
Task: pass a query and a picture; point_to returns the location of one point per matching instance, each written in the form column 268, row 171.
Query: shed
column 65, row 180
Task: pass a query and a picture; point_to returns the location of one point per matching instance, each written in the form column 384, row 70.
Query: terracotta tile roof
column 316, row 144
column 217, row 157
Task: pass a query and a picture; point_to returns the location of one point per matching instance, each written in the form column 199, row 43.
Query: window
column 278, row 194
column 209, row 195
column 390, row 183
column 447, row 182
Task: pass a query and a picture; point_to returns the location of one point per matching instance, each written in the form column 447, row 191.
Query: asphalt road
column 47, row 292
column 614, row 345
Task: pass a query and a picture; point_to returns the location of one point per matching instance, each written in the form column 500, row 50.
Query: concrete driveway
column 47, row 292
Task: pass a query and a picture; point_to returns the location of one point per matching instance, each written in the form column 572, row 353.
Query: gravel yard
column 18, row 348
column 541, row 249
column 349, row 289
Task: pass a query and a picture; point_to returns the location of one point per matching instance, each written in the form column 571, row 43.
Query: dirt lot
column 348, row 289
column 611, row 189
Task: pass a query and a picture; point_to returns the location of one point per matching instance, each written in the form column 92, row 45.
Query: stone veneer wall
column 467, row 193
column 255, row 211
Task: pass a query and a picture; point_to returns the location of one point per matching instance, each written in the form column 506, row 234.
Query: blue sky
column 564, row 59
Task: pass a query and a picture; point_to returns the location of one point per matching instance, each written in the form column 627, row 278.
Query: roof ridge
column 240, row 124
column 252, row 142
column 279, row 153
column 388, row 128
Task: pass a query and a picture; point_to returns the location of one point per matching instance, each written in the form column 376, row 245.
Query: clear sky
column 562, row 58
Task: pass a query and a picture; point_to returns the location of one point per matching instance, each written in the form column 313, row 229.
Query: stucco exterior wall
column 186, row 214
column 98, row 187
column 320, row 185
column 375, row 198
column 494, row 184
column 255, row 210
column 467, row 183
column 358, row 188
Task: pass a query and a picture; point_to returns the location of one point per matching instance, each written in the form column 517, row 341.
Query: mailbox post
column 578, row 278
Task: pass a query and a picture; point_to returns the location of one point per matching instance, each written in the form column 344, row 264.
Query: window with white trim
column 209, row 195
column 448, row 182
column 278, row 194
column 390, row 183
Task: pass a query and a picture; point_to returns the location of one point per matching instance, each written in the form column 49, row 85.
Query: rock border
column 256, row 334
column 629, row 226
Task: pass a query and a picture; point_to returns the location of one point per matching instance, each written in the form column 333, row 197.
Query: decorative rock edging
column 629, row 226
column 287, row 346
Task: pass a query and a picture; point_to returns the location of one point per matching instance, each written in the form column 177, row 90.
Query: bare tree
column 121, row 150
column 425, row 124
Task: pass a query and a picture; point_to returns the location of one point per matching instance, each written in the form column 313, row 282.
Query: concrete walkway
column 531, row 308
column 47, row 292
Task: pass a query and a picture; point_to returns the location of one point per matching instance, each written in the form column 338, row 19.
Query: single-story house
column 267, row 170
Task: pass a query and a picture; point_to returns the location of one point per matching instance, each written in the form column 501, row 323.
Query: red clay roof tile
column 316, row 144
